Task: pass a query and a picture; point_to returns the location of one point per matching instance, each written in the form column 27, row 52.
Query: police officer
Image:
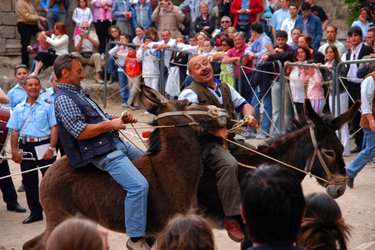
column 33, row 125
column 6, row 185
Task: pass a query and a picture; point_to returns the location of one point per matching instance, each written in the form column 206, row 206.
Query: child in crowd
column 134, row 72
column 119, row 52
column 40, row 46
column 105, row 12
column 322, row 226
column 150, row 64
column 315, row 91
column 81, row 14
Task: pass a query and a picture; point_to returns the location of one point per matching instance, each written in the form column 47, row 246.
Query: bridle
column 318, row 154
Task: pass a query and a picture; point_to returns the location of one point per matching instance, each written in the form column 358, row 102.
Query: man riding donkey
column 207, row 90
column 91, row 138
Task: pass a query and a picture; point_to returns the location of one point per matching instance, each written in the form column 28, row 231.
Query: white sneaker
column 139, row 245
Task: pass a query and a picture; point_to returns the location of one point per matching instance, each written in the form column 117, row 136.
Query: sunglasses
column 225, row 21
column 85, row 28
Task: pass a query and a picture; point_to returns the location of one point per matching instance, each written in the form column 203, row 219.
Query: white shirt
column 82, row 15
column 297, row 86
column 87, row 46
column 287, row 25
column 340, row 47
column 59, row 43
column 367, row 95
column 167, row 53
column 353, row 68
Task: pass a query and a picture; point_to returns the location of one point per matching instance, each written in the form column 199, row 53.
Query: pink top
column 315, row 89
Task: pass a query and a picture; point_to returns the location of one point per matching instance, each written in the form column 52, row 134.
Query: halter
column 318, row 153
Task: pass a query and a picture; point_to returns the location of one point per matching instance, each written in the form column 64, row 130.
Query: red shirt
column 234, row 53
column 132, row 66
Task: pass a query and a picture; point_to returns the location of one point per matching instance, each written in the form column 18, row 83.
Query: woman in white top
column 297, row 86
column 59, row 46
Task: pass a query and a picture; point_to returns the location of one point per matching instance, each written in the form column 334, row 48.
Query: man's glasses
column 225, row 21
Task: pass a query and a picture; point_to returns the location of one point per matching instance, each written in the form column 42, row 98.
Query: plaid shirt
column 69, row 113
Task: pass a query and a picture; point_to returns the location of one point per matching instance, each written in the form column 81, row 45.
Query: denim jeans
column 124, row 87
column 122, row 170
column 267, row 105
column 112, row 68
column 53, row 17
column 288, row 110
column 365, row 156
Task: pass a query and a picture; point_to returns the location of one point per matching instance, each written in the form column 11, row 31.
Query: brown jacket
column 26, row 12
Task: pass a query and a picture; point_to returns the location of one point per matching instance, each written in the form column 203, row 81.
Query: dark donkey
column 295, row 148
column 172, row 167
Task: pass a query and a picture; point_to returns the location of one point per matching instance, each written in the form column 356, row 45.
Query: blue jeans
column 288, row 109
column 112, row 68
column 124, row 87
column 122, row 170
column 267, row 105
column 365, row 156
column 53, row 17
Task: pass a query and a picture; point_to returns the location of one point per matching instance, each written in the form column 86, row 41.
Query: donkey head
column 202, row 118
column 327, row 161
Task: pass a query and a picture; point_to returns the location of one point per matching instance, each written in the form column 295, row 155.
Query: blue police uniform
column 48, row 94
column 34, row 133
column 16, row 95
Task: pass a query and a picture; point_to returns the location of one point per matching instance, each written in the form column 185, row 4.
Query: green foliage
column 353, row 7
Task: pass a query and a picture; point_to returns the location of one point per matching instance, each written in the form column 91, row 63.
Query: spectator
column 168, row 17
column 139, row 35
column 221, row 9
column 18, row 94
column 348, row 45
column 272, row 208
column 77, row 234
column 225, row 23
column 260, row 88
column 280, row 47
column 289, row 23
column 233, row 57
column 81, row 14
column 368, row 124
column 134, row 73
column 102, row 23
column 59, row 46
column 150, row 64
column 179, row 61
column 153, row 33
column 370, row 4
column 205, row 22
column 33, row 124
column 186, row 232
column 27, row 25
column 266, row 17
column 122, row 12
column 313, row 81
column 194, row 7
column 370, row 37
column 86, row 44
column 231, row 31
column 319, row 12
column 279, row 16
column 226, row 74
column 296, row 33
column 331, row 34
column 118, row 55
column 105, row 10
column 356, row 52
column 297, row 86
column 304, row 40
column 322, row 225
column 363, row 20
column 56, row 11
column 114, row 36
column 332, row 59
column 6, row 184
column 142, row 13
column 245, row 13
column 310, row 24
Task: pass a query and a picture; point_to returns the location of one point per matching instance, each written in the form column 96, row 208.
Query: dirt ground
column 357, row 206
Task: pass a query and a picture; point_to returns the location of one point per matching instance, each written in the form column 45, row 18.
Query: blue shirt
column 48, row 94
column 40, row 121
column 278, row 17
column 245, row 4
column 314, row 29
column 16, row 95
column 259, row 46
column 69, row 113
column 54, row 8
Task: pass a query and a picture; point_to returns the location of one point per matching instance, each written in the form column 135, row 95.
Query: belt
column 35, row 139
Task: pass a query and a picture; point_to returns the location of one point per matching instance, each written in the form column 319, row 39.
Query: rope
column 278, row 161
column 26, row 171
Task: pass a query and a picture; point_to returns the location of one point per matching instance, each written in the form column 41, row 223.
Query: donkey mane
column 155, row 141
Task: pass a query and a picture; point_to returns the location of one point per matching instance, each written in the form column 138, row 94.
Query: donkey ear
column 339, row 121
column 151, row 99
column 312, row 116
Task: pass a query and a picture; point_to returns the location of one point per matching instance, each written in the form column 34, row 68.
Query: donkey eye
column 329, row 153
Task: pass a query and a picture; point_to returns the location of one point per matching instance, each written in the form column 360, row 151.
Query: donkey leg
column 36, row 243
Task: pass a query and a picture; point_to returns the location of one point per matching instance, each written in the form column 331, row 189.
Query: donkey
column 172, row 167
column 295, row 148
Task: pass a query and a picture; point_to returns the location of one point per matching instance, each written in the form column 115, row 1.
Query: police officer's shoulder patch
column 48, row 101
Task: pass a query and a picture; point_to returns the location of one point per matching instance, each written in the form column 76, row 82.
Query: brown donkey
column 172, row 167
